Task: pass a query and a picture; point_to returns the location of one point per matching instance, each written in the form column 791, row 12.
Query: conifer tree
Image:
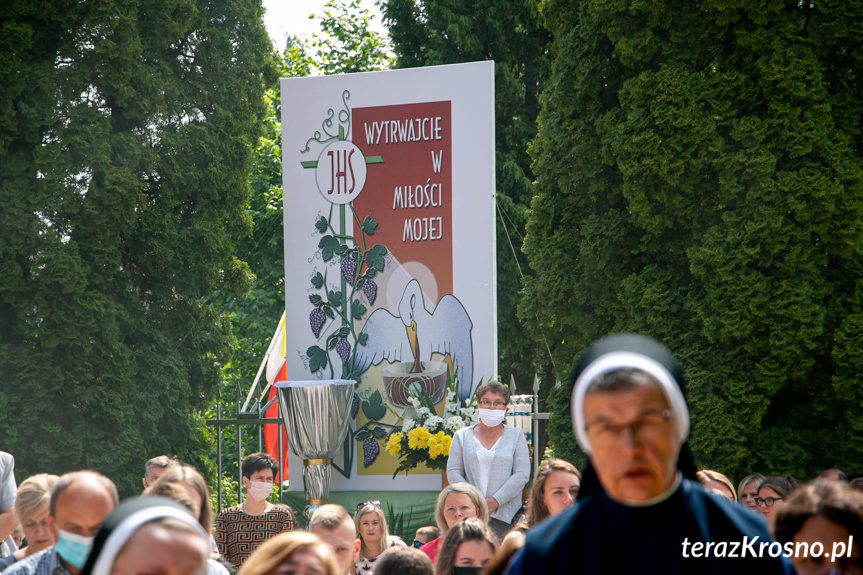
column 126, row 134
column 699, row 180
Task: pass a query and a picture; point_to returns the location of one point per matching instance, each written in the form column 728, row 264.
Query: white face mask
column 491, row 417
column 259, row 490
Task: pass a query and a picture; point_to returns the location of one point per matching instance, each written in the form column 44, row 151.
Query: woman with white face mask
column 493, row 457
column 242, row 528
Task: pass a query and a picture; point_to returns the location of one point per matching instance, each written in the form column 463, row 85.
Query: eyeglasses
column 368, row 504
column 647, row 427
column 417, row 543
column 492, row 405
column 767, row 501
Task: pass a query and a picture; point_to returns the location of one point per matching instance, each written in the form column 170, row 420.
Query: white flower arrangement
column 424, row 436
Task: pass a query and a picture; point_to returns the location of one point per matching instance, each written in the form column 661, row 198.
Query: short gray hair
column 493, row 386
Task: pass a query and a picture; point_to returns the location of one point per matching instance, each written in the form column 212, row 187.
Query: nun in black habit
column 639, row 509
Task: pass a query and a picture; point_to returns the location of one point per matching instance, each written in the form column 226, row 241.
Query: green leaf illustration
column 358, row 309
column 322, row 224
column 379, row 432
column 328, row 245
column 362, row 435
column 317, row 358
column 375, row 257
column 363, row 338
column 318, row 280
column 316, row 299
column 335, row 298
column 374, row 407
column 369, row 225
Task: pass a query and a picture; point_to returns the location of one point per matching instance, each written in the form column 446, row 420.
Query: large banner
column 389, row 248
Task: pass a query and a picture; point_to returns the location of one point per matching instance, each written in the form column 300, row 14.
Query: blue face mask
column 74, row 549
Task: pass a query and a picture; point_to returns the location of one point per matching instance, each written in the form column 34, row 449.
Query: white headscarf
column 122, row 523
column 629, row 351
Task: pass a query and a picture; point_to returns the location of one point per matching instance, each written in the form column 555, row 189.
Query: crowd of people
column 639, row 505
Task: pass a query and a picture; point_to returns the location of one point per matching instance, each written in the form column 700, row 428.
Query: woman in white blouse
column 492, row 457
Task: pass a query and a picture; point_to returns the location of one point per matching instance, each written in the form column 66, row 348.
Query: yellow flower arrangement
column 438, row 444
column 394, row 443
column 418, row 438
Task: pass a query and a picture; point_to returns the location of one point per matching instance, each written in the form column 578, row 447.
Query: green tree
column 434, row 32
column 699, row 180
column 347, row 44
column 126, row 135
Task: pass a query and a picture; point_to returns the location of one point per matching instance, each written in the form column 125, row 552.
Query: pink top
column 431, row 548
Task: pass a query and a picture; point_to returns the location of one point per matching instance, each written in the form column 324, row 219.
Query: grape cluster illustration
column 371, row 449
column 349, row 268
column 336, row 300
column 316, row 320
column 343, row 348
column 370, row 433
column 355, row 406
column 370, row 288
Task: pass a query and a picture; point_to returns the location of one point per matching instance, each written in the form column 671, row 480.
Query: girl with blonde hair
column 374, row 535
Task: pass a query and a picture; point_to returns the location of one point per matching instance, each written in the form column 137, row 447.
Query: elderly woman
column 638, row 509
column 818, row 520
column 31, row 509
column 492, row 457
column 455, row 502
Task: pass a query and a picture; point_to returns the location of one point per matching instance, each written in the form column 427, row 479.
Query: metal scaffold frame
column 251, row 412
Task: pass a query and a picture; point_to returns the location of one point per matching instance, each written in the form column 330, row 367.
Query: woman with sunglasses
column 374, row 536
column 493, row 457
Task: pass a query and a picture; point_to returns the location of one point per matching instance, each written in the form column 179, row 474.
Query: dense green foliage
column 433, row 32
column 126, row 135
column 699, row 180
column 347, row 43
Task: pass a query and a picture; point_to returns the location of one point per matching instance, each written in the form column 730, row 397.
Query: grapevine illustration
column 358, row 268
column 336, row 301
